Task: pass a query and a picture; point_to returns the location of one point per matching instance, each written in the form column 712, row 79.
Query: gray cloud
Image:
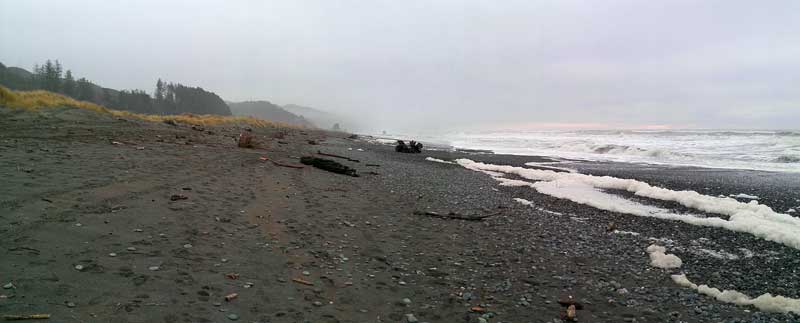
column 453, row 64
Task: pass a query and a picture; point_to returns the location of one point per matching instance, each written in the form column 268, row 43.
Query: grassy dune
column 37, row 100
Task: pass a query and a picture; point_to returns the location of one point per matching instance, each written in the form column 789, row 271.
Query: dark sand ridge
column 70, row 197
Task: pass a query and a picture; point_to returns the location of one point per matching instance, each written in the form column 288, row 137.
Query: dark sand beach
column 112, row 220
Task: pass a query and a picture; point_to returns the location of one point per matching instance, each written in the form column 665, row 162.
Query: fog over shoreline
column 419, row 65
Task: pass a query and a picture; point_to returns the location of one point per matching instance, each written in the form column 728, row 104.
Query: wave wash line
column 753, row 218
column 757, row 219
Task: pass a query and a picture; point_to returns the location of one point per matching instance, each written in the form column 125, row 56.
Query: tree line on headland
column 168, row 98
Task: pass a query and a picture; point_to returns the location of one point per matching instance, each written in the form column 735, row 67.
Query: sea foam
column 753, row 218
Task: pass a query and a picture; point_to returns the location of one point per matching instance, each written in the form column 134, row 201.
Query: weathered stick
column 26, row 317
column 302, row 281
column 456, row 216
column 337, row 156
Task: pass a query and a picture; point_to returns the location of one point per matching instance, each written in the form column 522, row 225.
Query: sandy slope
column 71, row 197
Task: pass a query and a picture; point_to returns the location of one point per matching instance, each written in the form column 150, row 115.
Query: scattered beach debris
column 246, row 138
column 26, row 317
column 178, row 197
column 338, row 156
column 302, row 281
column 231, row 297
column 454, row 215
column 329, row 165
column 570, row 307
column 412, row 147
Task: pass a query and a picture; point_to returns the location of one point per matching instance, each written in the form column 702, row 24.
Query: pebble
column 232, row 317
column 410, row 318
column 137, row 230
column 317, row 303
column 482, row 320
column 402, row 283
column 306, row 273
column 112, row 254
column 8, row 286
column 131, row 248
column 154, row 268
column 216, row 304
column 70, row 304
column 78, row 267
column 187, row 246
column 407, row 301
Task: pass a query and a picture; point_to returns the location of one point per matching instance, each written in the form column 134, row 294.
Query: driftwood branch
column 337, row 156
column 454, row 215
column 276, row 163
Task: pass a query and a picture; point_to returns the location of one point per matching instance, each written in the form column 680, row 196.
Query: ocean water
column 758, row 150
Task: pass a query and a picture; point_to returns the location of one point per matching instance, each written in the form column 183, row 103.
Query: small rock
column 131, row 248
column 410, row 318
column 402, row 283
column 407, row 301
column 232, row 317
column 8, row 286
column 138, row 230
column 154, row 268
column 482, row 320
column 70, row 304
column 78, row 267
column 187, row 246
column 317, row 303
column 306, row 273
column 113, row 254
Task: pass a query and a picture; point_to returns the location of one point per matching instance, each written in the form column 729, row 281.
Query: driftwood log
column 329, row 165
column 338, row 156
column 412, row 147
column 455, row 215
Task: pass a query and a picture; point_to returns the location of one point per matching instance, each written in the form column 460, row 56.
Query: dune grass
column 37, row 100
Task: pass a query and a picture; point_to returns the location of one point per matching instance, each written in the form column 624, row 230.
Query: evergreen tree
column 84, row 90
column 69, row 84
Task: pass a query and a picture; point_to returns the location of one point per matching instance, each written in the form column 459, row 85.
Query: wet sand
column 90, row 232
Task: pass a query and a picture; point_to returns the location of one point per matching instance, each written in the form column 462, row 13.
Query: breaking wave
column 758, row 150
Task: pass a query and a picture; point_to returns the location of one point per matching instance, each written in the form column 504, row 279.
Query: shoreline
column 363, row 244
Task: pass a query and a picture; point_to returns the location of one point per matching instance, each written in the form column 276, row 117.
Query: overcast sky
column 454, row 64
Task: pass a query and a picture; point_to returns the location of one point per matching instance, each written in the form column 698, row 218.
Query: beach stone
column 154, row 268
column 407, row 301
column 410, row 318
column 112, row 254
column 8, row 286
column 70, row 304
column 306, row 273
column 317, row 303
column 187, row 246
column 78, row 267
column 232, row 317
column 482, row 320
column 131, row 248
